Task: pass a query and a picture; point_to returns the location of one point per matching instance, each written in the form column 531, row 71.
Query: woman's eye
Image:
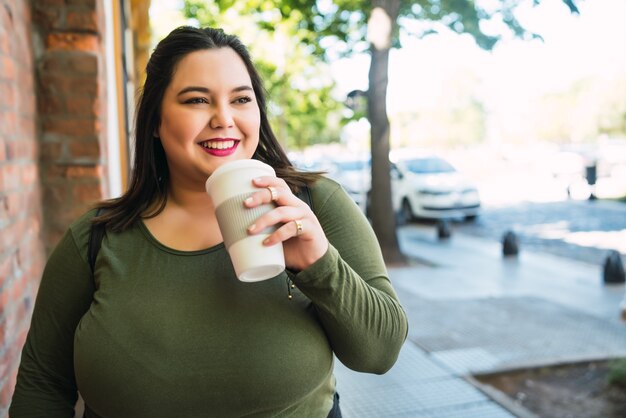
column 242, row 100
column 196, row 100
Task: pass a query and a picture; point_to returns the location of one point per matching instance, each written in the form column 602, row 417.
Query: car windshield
column 428, row 166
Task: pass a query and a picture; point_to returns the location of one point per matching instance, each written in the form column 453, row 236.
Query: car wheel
column 406, row 213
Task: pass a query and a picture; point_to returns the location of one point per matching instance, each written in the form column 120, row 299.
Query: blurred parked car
column 422, row 186
column 354, row 174
column 428, row 186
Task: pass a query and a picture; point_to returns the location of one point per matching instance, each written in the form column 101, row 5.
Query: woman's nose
column 221, row 117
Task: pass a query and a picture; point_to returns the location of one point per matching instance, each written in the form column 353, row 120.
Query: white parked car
column 422, row 186
column 428, row 186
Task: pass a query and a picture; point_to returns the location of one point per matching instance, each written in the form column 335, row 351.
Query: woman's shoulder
column 324, row 186
column 80, row 228
column 325, row 189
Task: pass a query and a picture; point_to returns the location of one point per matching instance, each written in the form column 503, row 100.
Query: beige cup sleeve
column 234, row 218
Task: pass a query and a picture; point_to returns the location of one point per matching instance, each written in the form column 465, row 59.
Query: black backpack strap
column 96, row 234
column 305, row 195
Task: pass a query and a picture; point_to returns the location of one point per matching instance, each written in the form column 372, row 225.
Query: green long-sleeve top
column 158, row 332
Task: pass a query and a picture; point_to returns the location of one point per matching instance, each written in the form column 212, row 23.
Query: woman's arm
column 350, row 288
column 45, row 382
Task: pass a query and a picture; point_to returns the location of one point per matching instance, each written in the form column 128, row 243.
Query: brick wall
column 21, row 252
column 52, row 147
column 70, row 76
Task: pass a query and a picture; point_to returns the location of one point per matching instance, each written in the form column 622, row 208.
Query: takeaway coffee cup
column 228, row 187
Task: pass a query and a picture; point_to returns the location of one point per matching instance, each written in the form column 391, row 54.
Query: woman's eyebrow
column 207, row 91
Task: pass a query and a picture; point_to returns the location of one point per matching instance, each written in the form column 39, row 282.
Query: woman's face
column 209, row 115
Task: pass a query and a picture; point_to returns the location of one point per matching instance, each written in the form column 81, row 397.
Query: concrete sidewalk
column 472, row 311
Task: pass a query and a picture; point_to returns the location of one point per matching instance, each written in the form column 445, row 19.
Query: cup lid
column 237, row 165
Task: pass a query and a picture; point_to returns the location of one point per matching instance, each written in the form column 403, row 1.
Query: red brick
column 7, row 68
column 84, row 19
column 50, row 151
column 6, row 271
column 73, row 41
column 82, row 63
column 86, row 193
column 5, row 395
column 26, row 80
column 55, row 195
column 88, row 4
column 27, row 129
column 26, row 104
column 87, row 172
column 47, row 13
column 14, row 149
column 7, row 95
column 20, row 149
column 53, row 62
column 4, row 40
column 9, row 176
column 18, row 290
column 80, row 149
column 10, row 235
column 29, row 174
column 72, row 127
column 66, row 83
column 52, row 104
column 83, row 106
column 9, row 121
column 83, row 85
column 14, row 204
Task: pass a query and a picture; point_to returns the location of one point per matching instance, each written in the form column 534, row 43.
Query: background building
column 68, row 77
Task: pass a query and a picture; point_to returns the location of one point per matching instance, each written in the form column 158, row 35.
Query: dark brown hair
column 147, row 192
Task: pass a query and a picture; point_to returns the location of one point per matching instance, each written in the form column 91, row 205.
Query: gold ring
column 299, row 228
column 273, row 193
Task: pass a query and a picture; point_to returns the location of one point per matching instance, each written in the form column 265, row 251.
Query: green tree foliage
column 301, row 106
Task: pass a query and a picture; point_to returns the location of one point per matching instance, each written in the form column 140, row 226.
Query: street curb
column 501, row 399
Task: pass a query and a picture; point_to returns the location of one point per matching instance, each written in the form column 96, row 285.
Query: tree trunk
column 381, row 209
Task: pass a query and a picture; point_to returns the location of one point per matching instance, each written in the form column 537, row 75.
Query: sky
column 590, row 44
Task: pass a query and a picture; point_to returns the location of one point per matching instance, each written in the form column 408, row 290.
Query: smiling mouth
column 219, row 145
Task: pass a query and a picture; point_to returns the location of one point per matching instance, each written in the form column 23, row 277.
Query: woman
column 163, row 327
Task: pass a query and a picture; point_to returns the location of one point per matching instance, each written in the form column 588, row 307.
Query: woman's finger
column 272, row 189
column 287, row 231
column 280, row 215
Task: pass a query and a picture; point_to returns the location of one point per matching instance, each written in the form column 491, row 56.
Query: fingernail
column 252, row 227
column 266, row 241
column 248, row 201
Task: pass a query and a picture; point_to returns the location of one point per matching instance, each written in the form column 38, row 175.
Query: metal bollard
column 613, row 271
column 443, row 229
column 510, row 244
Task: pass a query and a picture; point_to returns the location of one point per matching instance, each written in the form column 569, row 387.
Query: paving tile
column 444, row 392
column 380, row 401
column 475, row 410
column 467, row 360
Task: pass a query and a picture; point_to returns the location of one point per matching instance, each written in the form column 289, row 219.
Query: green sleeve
column 45, row 383
column 350, row 288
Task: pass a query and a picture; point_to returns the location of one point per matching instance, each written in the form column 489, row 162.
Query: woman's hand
column 304, row 241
